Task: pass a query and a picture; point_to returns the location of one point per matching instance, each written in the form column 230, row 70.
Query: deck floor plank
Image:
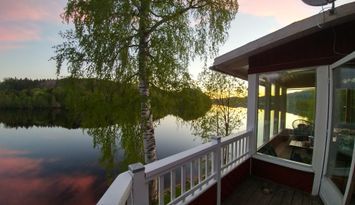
column 243, row 193
column 277, row 196
column 287, row 198
column 263, row 192
column 297, row 198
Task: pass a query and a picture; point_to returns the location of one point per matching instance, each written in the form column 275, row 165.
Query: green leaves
column 228, row 95
column 104, row 42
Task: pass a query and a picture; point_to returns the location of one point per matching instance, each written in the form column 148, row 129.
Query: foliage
column 302, row 103
column 145, row 41
column 225, row 116
column 76, row 102
column 108, row 37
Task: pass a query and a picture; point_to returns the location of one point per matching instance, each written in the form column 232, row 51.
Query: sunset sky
column 29, row 29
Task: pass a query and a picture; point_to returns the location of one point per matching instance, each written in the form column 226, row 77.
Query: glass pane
column 285, row 97
column 343, row 126
column 261, row 113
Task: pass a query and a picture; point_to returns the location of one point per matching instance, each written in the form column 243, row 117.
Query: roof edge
column 286, row 34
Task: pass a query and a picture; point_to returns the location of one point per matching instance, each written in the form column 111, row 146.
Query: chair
column 302, row 129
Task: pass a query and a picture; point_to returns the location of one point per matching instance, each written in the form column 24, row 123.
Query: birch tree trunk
column 147, row 127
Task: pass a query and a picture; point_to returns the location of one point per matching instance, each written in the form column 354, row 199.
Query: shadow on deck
column 263, row 192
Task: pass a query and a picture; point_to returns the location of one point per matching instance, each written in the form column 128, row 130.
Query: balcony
column 259, row 191
column 185, row 177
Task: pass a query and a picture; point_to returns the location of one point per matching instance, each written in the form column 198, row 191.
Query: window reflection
column 343, row 127
column 286, row 110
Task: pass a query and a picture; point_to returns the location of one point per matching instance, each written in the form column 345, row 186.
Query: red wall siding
column 321, row 48
column 283, row 175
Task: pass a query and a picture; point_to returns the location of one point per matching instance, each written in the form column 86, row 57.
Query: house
column 300, row 122
column 302, row 77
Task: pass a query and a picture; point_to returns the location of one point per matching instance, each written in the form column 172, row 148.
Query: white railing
column 120, row 190
column 182, row 177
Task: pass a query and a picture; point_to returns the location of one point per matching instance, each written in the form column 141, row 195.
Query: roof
column 236, row 63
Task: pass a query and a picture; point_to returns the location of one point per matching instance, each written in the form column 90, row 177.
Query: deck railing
column 182, row 177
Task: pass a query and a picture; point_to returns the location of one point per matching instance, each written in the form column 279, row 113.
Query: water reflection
column 22, row 181
column 72, row 156
column 219, row 121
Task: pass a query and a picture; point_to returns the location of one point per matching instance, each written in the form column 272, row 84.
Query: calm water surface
column 56, row 165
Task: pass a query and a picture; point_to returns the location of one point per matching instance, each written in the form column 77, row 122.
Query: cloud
column 21, row 182
column 54, row 190
column 284, row 11
column 12, row 163
column 8, row 47
column 11, row 152
column 24, row 21
column 30, row 10
column 19, row 33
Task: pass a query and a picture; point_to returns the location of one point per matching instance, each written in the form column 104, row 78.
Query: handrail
column 198, row 169
column 119, row 192
column 230, row 138
column 164, row 165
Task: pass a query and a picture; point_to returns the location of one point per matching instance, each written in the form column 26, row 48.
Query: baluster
column 183, row 180
column 236, row 152
column 227, row 153
column 240, row 149
column 213, row 157
column 199, row 170
column 221, row 158
column 217, row 167
column 161, row 190
column 191, row 175
column 206, row 166
column 172, row 185
column 232, row 153
column 244, row 147
column 247, row 139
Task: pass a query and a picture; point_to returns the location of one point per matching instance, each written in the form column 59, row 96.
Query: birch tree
column 227, row 94
column 148, row 42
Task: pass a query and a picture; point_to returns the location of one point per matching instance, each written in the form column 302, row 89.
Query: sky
column 30, row 28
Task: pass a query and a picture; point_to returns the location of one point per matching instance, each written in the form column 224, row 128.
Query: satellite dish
column 318, row 2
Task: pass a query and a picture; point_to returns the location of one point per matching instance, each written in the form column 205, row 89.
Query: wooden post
column 217, row 167
column 267, row 112
column 140, row 190
column 253, row 90
column 283, row 107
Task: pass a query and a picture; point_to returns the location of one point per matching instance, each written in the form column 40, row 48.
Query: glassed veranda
column 343, row 127
column 286, row 112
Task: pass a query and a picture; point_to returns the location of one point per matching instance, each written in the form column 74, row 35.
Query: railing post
column 252, row 114
column 140, row 188
column 217, row 167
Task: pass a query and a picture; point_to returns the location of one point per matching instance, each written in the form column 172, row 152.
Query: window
column 343, row 126
column 286, row 111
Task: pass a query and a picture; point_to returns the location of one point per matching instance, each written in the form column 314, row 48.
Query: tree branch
column 168, row 18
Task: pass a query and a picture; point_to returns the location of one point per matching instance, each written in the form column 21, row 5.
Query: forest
column 92, row 98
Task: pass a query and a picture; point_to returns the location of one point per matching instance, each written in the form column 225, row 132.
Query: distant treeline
column 302, row 103
column 29, row 94
column 231, row 102
column 88, row 98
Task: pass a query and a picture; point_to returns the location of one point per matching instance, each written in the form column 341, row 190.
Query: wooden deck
column 257, row 191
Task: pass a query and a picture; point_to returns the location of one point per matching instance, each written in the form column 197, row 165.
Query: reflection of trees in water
column 228, row 95
column 219, row 121
column 107, row 139
column 111, row 120
column 302, row 103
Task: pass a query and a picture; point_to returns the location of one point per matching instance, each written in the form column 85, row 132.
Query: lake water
column 57, row 165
